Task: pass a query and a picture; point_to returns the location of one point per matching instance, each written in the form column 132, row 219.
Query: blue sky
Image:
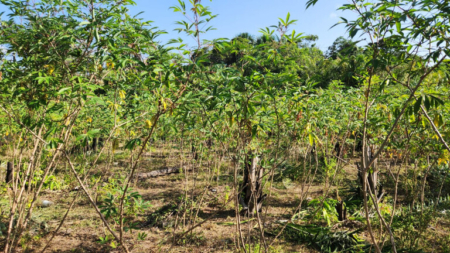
column 236, row 16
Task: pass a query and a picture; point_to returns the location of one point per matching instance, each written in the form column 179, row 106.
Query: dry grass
column 83, row 229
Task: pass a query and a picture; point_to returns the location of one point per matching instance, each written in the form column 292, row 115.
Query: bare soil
column 83, row 230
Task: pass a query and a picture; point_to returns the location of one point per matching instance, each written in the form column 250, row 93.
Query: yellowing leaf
column 110, row 65
column 444, row 157
column 436, row 121
column 122, row 94
column 148, row 124
column 50, row 69
column 115, row 145
column 112, row 106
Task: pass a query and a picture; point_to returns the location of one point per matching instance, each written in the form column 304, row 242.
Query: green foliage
column 256, row 248
column 411, row 228
column 195, row 239
column 325, row 240
column 133, row 204
column 142, row 236
column 53, row 183
column 324, row 209
column 104, row 240
column 78, row 71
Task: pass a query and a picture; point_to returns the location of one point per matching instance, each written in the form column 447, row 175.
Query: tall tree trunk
column 341, row 210
column 194, row 152
column 371, row 174
column 252, row 194
column 9, row 172
column 94, row 144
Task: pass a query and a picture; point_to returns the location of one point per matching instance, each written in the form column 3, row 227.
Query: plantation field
column 83, row 230
column 198, row 195
column 114, row 140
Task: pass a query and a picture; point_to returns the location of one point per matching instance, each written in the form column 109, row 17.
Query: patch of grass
column 324, row 239
column 196, row 239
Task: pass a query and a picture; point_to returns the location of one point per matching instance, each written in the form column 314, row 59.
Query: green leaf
column 84, row 23
column 353, row 32
column 131, row 144
column 254, row 130
column 93, row 132
column 427, row 103
column 417, row 105
column 64, row 90
column 81, row 137
column 311, row 3
column 399, row 26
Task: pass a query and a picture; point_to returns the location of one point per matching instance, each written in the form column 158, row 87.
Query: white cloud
column 333, row 15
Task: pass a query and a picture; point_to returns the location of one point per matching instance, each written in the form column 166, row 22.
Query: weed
column 197, row 239
column 142, row 236
column 323, row 239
